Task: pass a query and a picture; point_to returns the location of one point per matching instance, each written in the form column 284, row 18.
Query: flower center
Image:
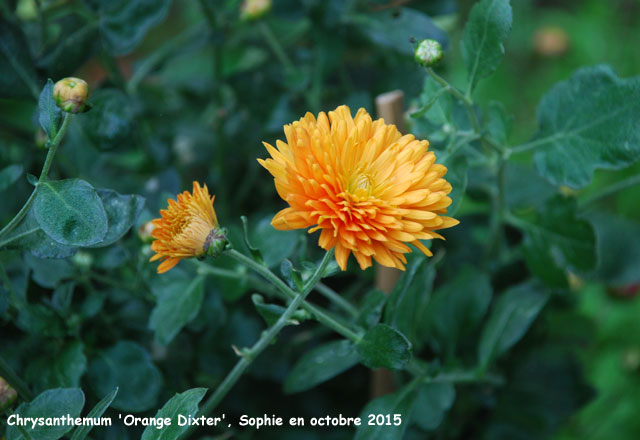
column 361, row 185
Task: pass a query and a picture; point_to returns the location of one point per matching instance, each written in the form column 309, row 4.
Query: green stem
column 275, row 46
column 43, row 176
column 265, row 340
column 464, row 377
column 334, row 297
column 611, row 189
column 317, row 313
column 12, row 379
column 499, row 210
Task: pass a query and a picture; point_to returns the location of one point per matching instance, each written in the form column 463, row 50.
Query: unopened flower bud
column 254, row 9
column 144, row 232
column 71, row 94
column 7, row 395
column 551, row 41
column 216, row 242
column 428, row 53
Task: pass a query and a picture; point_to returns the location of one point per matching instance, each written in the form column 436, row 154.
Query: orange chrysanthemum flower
column 369, row 189
column 188, row 228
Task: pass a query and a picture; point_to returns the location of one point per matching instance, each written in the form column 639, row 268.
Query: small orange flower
column 369, row 189
column 189, row 228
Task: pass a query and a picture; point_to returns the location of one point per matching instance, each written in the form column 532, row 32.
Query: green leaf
column 52, row 403
column 122, row 213
column 588, row 122
column 274, row 245
column 269, row 312
column 124, row 23
column 29, row 236
column 510, row 318
column 394, row 28
column 49, row 114
column 126, row 366
column 409, row 296
column 432, row 402
column 17, row 69
column 398, row 406
column 457, row 176
column 291, row 275
column 64, row 370
column 486, row 30
column 70, row 212
column 384, row 347
column 9, row 175
column 81, row 432
column 178, row 304
column 456, row 309
column 618, row 249
column 111, row 122
column 185, row 404
column 62, row 297
column 498, row 123
column 255, row 252
column 556, row 239
column 371, row 308
column 272, row 312
column 321, row 364
column 526, row 189
column 49, row 273
column 235, row 60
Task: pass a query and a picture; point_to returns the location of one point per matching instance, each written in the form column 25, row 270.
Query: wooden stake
column 390, row 107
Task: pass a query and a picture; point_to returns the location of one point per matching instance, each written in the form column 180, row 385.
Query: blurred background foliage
column 185, row 90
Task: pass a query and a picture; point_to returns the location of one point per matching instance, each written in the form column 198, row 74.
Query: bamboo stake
column 390, row 107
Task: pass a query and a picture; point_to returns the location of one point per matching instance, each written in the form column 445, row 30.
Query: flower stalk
column 53, row 148
column 265, row 340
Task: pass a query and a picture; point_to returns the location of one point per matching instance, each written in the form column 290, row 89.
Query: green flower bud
column 428, row 53
column 254, row 9
column 144, row 232
column 216, row 242
column 71, row 95
column 7, row 395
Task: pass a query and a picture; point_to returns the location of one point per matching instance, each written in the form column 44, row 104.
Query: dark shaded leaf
column 52, row 403
column 126, row 366
column 320, row 365
column 384, row 347
column 510, row 318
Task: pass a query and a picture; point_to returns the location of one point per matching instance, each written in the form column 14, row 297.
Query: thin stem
column 317, row 313
column 12, row 379
column 275, row 46
column 498, row 210
column 43, row 176
column 267, row 337
column 334, row 297
column 608, row 190
column 464, row 377
column 468, row 105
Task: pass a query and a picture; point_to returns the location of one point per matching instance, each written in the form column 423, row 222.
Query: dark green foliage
column 522, row 325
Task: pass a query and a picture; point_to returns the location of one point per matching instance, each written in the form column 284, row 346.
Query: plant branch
column 335, row 297
column 608, row 190
column 43, row 176
column 317, row 313
column 267, row 337
column 275, row 46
